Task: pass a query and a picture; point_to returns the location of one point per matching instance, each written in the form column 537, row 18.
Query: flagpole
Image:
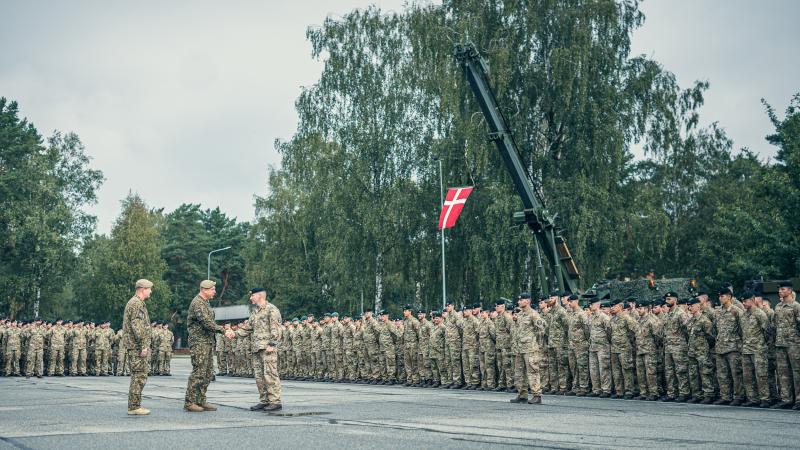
column 444, row 278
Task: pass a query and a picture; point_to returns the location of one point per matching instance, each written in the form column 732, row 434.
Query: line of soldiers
column 73, row 348
column 698, row 350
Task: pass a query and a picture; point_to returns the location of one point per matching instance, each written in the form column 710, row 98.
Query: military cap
column 555, row 293
column 449, row 302
column 683, row 301
column 632, row 298
column 304, row 318
column 37, row 319
column 594, row 299
column 326, row 315
column 748, row 294
column 435, row 314
column 524, row 295
column 310, row 314
column 659, row 302
column 334, row 314
column 544, row 297
column 723, row 291
column 256, row 290
column 573, row 297
column 208, row 284
column 644, row 302
column 606, row 304
column 366, row 310
column 383, row 312
column 671, row 294
column 408, row 308
column 692, row 301
column 421, row 311
column 143, row 284
column 502, row 301
column 785, row 284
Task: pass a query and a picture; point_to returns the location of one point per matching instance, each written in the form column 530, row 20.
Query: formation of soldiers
column 725, row 351
column 73, row 348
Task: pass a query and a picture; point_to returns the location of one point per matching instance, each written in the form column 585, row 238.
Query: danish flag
column 453, row 204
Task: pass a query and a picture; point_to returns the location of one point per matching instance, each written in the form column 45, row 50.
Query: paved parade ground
column 90, row 412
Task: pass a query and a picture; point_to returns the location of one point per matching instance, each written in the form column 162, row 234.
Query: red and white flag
column 453, row 204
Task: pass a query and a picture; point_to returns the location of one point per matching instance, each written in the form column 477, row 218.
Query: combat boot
column 707, row 401
column 782, row 405
column 258, row 406
column 138, row 412
column 681, row 399
column 191, row 407
column 535, row 400
column 749, row 404
column 272, row 407
column 722, row 401
column 208, row 407
column 519, row 399
column 571, row 394
column 764, row 404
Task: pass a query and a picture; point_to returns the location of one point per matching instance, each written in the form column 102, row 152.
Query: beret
column 208, row 284
column 142, row 283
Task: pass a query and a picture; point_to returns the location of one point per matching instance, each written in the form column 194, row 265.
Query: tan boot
column 191, row 407
column 138, row 412
column 208, row 407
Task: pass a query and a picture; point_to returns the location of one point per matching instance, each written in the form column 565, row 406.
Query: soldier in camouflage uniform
column 35, row 345
column 578, row 339
column 558, row 359
column 136, row 332
column 388, row 350
column 599, row 350
column 165, row 350
column 755, row 328
column 411, row 329
column 505, row 360
column 103, row 336
column 623, row 331
column 701, row 369
column 78, row 353
column 487, row 336
column 424, row 349
column 264, row 329
column 728, row 347
column 201, row 326
column 453, row 346
column 676, row 347
column 787, row 347
column 219, row 347
column 528, row 327
column 12, row 346
column 765, row 306
column 439, row 373
column 57, row 342
column 337, row 348
column 647, row 337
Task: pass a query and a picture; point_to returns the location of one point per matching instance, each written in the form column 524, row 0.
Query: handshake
column 230, row 334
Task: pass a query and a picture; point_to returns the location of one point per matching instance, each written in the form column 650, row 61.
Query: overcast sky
column 181, row 101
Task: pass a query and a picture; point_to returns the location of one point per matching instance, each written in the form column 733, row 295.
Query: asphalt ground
column 90, row 412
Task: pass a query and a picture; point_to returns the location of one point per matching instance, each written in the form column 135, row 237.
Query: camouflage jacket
column 755, row 328
column 469, row 333
column 135, row 326
column 263, row 326
column 599, row 330
column 502, row 325
column 487, row 335
column 558, row 325
column 700, row 332
column 647, row 335
column 530, row 326
column 437, row 341
column 676, row 335
column 200, row 322
column 623, row 331
column 578, row 331
column 787, row 324
column 58, row 337
column 729, row 330
column 425, row 327
column 452, row 325
column 411, row 332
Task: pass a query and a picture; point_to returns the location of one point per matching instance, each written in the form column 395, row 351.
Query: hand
column 269, row 349
column 144, row 352
column 230, row 334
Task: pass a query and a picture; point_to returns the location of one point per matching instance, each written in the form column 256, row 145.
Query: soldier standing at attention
column 411, row 346
column 676, row 348
column 728, row 347
column 787, row 347
column 201, row 326
column 136, row 341
column 599, row 350
column 526, row 364
column 755, row 329
column 264, row 327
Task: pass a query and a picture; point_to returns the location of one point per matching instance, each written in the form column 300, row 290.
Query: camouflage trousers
column 439, row 373
column 453, row 357
column 56, row 365
column 35, row 365
column 202, row 371
column 338, row 359
column 78, row 362
column 471, row 365
column 505, row 367
column 622, row 367
column 754, row 377
column 579, row 364
column 140, row 367
column 317, row 367
column 729, row 376
column 558, row 368
column 676, row 372
column 488, row 375
column 647, row 374
column 526, row 374
column 265, row 368
column 101, row 360
column 12, row 362
column 424, row 364
column 122, row 361
column 600, row 370
column 350, row 365
column 222, row 362
column 787, row 363
column 389, row 365
column 164, row 358
column 701, row 376
column 411, row 363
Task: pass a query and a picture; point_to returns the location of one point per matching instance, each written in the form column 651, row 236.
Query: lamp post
column 208, row 275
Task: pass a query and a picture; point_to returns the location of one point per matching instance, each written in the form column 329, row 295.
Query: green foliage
column 42, row 188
